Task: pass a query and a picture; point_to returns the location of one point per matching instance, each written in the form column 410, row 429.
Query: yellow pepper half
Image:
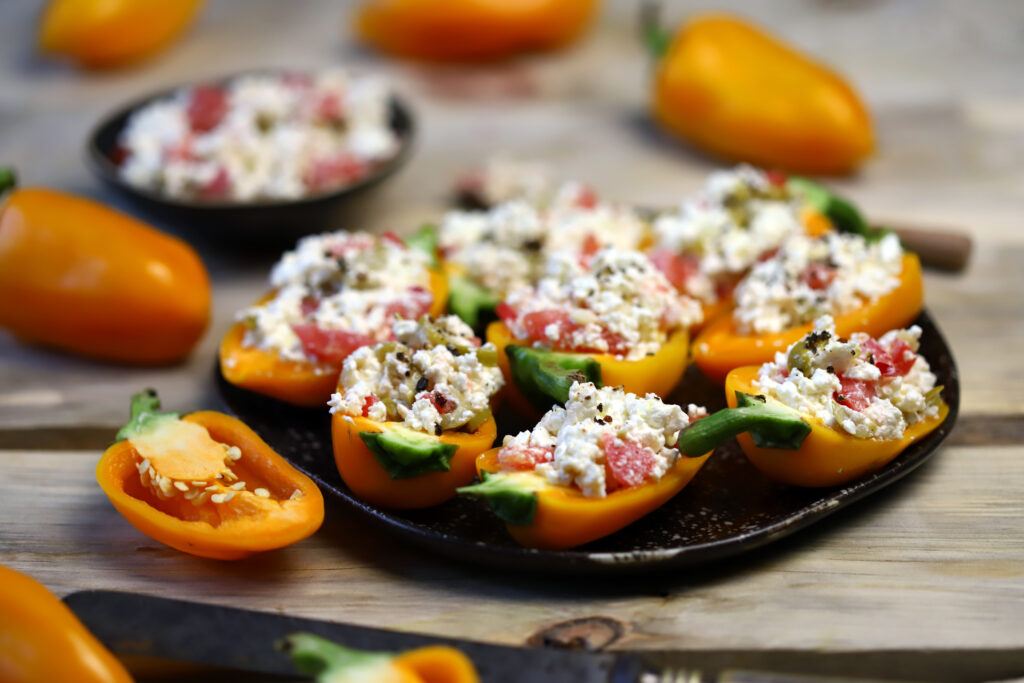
column 827, row 457
column 42, row 640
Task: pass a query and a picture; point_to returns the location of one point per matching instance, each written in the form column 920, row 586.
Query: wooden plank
column 935, row 562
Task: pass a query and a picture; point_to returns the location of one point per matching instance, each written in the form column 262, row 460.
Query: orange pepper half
column 290, row 509
column 827, row 457
column 109, row 33
column 42, row 640
column 565, row 518
column 328, row 661
column 471, row 30
column 732, row 89
column 658, row 374
column 361, row 471
column 303, row 383
column 78, row 276
column 720, row 347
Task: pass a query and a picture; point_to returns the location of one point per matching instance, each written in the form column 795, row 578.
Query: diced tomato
column 332, row 346
column 776, row 177
column 677, row 268
column 309, row 306
column 219, row 187
column 351, row 243
column 297, row 80
column 390, row 236
column 118, row 154
column 370, row 401
column 536, row 324
column 505, row 312
column 181, row 150
column 630, row 464
column 207, row 108
column 515, row 457
column 855, row 394
column 442, row 403
column 328, row 107
column 417, row 303
column 335, row 171
column 770, row 254
column 617, row 345
column 896, row 360
column 818, row 276
column 586, row 199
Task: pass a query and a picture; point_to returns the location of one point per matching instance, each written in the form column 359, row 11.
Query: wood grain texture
column 935, row 562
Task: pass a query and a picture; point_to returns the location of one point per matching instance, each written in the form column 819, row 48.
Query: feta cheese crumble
column 335, row 292
column 602, row 440
column 260, row 136
column 435, row 377
column 872, row 389
column 617, row 304
column 740, row 215
column 807, row 278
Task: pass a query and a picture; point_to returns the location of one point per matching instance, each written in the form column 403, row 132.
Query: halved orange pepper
column 656, row 374
column 328, row 661
column 78, row 276
column 730, row 88
column 362, row 472
column 277, row 506
column 471, row 30
column 303, row 383
column 42, row 640
column 827, row 457
column 720, row 347
column 108, row 33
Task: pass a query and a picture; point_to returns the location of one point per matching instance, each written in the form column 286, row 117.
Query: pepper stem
column 319, row 657
column 655, row 36
column 770, row 425
column 8, row 179
column 144, row 414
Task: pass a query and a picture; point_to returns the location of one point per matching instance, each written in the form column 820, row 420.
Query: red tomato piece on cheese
column 523, row 458
column 855, row 394
column 329, row 345
column 207, row 108
column 630, row 464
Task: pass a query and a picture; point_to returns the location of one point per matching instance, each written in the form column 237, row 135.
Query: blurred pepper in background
column 470, row 30
column 101, row 34
column 733, row 90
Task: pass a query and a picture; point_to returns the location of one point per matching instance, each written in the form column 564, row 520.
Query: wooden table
column 936, row 564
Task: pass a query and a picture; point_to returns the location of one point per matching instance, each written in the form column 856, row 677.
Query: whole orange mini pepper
column 471, row 30
column 42, row 640
column 108, row 33
column 328, row 662
column 827, row 457
column 720, row 347
column 535, row 378
column 539, row 514
column 206, row 484
column 731, row 89
column 405, row 478
column 80, row 277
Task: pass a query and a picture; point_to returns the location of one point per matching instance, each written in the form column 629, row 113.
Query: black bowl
column 268, row 222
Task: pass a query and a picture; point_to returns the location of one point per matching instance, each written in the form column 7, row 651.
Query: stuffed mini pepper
column 333, row 294
column 614, row 320
column 607, row 459
column 489, row 253
column 411, row 415
column 206, row 484
column 742, row 215
column 867, row 285
column 866, row 400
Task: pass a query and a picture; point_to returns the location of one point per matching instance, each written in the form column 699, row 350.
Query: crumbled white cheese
column 577, row 435
column 278, row 137
column 432, row 378
column 833, row 275
column 618, row 304
column 897, row 401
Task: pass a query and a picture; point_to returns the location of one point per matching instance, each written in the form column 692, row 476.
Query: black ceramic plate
column 270, row 222
column 728, row 508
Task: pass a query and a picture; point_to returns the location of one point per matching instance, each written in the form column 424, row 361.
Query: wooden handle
column 941, row 249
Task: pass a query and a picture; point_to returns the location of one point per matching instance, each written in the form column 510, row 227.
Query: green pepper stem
column 770, row 425
column 316, row 656
column 655, row 37
column 8, row 179
column 145, row 409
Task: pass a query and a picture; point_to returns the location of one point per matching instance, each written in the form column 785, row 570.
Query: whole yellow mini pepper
column 108, row 33
column 42, row 640
column 732, row 89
